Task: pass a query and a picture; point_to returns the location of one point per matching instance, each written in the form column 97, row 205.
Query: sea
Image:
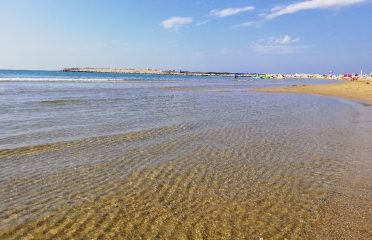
column 134, row 156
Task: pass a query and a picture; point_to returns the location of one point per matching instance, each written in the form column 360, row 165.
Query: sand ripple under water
column 177, row 182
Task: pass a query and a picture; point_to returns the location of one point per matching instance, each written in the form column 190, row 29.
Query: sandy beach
column 357, row 90
column 353, row 195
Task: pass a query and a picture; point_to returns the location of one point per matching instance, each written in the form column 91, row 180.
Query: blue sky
column 213, row 35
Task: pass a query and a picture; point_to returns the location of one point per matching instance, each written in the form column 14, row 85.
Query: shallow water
column 176, row 158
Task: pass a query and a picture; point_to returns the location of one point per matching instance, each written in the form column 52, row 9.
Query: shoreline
column 348, row 206
column 357, row 90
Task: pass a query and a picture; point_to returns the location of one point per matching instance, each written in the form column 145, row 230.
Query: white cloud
column 309, row 5
column 176, row 22
column 280, row 45
column 285, row 40
column 245, row 24
column 202, row 23
column 230, row 11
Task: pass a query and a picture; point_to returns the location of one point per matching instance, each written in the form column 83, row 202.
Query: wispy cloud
column 279, row 45
column 230, row 11
column 176, row 22
column 202, row 23
column 309, row 5
column 245, row 24
column 285, row 40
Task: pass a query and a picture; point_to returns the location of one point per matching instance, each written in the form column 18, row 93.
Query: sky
column 281, row 36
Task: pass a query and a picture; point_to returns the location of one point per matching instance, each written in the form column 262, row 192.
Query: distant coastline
column 153, row 71
column 221, row 74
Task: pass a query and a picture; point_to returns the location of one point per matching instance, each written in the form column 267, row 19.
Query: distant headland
column 222, row 74
column 155, row 71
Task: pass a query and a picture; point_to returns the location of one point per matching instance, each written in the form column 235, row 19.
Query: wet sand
column 357, row 90
column 348, row 214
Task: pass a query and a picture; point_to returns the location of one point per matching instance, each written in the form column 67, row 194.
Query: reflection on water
column 87, row 160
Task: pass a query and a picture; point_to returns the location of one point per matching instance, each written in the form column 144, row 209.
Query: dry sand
column 358, row 90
